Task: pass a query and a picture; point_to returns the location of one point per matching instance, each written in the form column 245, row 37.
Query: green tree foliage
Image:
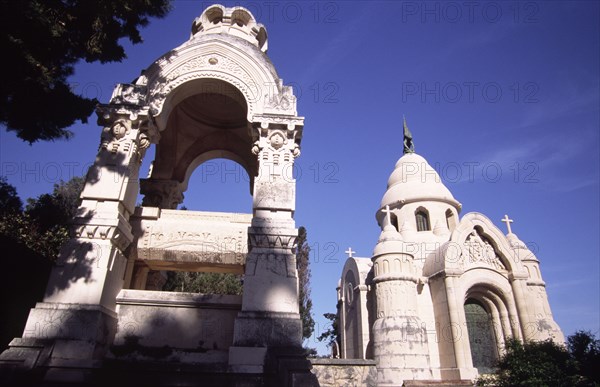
column 204, row 283
column 332, row 334
column 545, row 363
column 585, row 350
column 43, row 226
column 30, row 241
column 304, row 300
column 10, row 203
column 42, row 40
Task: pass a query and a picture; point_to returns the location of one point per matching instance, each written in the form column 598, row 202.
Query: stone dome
column 413, row 179
column 390, row 242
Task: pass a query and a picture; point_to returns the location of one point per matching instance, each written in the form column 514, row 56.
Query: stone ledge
column 343, row 362
column 438, row 383
column 178, row 299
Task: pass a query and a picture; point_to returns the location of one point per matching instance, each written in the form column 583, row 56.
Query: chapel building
column 441, row 293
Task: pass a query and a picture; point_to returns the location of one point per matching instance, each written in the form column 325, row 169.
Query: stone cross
column 508, row 222
column 388, row 218
column 349, row 252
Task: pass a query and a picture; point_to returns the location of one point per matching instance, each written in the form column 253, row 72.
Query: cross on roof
column 388, row 218
column 349, row 252
column 508, row 222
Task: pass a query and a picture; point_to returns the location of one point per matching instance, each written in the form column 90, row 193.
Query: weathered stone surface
column 345, row 372
column 190, row 240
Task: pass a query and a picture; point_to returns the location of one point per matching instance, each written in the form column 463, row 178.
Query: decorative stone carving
column 274, row 240
column 277, row 140
column 479, row 250
column 256, row 148
column 128, row 94
column 166, row 194
column 188, row 238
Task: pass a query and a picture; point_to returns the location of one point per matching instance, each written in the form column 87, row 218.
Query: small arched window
column 422, row 217
column 394, row 220
column 450, row 220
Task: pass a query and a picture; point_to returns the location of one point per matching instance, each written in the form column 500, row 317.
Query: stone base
column 458, row 373
column 438, row 383
column 250, row 360
column 62, row 335
column 285, row 367
column 268, row 329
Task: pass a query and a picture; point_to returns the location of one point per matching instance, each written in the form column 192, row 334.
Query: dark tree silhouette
column 42, row 40
column 304, row 300
column 30, row 241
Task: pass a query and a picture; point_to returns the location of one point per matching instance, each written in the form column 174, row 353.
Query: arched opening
column 422, row 218
column 482, row 339
column 240, row 18
column 203, row 163
column 394, row 221
column 219, row 184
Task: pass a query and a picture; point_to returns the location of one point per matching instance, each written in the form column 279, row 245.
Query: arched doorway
column 482, row 339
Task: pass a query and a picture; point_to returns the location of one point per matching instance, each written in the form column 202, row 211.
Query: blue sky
column 502, row 99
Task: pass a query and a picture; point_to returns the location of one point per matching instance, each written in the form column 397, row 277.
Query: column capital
column 167, row 194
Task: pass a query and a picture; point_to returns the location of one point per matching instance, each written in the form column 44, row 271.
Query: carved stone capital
column 166, row 194
column 124, row 135
column 129, row 94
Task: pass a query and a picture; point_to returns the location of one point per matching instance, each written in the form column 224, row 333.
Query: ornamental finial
column 409, row 146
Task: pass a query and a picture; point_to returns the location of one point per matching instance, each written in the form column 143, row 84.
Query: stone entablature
column 191, row 240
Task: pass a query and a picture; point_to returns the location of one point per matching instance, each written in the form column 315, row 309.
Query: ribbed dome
column 414, row 179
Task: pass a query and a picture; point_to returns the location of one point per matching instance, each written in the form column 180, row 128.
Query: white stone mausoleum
column 441, row 293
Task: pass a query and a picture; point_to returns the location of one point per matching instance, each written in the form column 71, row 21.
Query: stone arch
column 170, row 79
column 495, row 236
column 208, row 121
column 452, row 253
column 499, row 290
column 351, row 316
column 354, row 315
column 494, row 292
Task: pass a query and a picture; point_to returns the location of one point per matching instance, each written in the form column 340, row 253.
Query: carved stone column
column 77, row 319
column 270, row 317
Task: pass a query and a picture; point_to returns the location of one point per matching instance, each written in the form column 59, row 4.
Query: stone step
column 438, row 383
